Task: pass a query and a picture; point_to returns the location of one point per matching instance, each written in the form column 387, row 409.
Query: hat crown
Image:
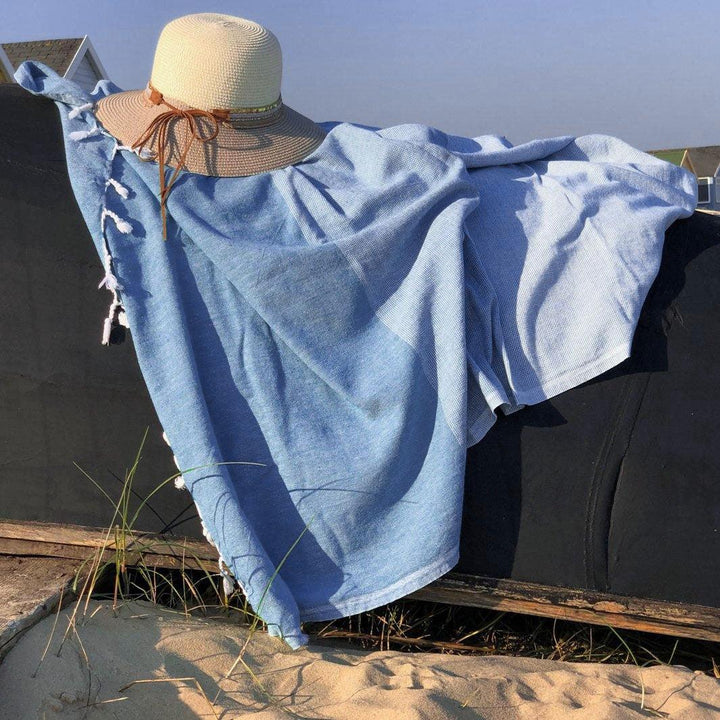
column 211, row 60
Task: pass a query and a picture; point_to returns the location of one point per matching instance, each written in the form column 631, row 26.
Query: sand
column 141, row 641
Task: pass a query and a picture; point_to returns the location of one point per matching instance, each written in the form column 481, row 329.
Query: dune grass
column 118, row 572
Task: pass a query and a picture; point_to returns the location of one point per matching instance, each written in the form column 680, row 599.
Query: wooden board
column 30, row 589
column 79, row 542
column 667, row 618
column 694, row 621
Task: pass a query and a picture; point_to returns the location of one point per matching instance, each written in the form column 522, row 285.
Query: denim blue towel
column 354, row 322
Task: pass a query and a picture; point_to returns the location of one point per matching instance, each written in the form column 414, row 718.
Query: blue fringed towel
column 353, row 322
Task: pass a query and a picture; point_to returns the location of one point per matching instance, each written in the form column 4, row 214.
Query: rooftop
column 56, row 54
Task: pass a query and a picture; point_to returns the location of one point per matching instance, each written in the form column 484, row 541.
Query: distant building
column 73, row 58
column 704, row 162
column 6, row 73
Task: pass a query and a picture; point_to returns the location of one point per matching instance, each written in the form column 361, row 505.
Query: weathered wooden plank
column 78, row 542
column 151, row 555
column 90, row 536
column 30, row 589
column 678, row 619
column 668, row 618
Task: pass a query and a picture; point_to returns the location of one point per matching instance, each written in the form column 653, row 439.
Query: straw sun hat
column 213, row 103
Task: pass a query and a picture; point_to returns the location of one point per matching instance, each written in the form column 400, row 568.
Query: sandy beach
column 102, row 671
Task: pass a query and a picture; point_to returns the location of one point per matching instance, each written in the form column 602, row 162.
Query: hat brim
column 235, row 152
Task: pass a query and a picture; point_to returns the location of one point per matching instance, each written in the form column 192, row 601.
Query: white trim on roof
column 77, row 59
column 96, row 59
column 7, row 66
column 85, row 47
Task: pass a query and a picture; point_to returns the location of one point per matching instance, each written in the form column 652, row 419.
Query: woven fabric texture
column 352, row 323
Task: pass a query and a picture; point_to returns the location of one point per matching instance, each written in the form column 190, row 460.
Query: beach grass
column 405, row 625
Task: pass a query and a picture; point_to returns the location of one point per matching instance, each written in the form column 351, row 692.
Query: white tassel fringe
column 83, row 134
column 122, row 225
column 107, row 328
column 116, row 314
column 228, row 581
column 206, row 533
column 79, row 109
column 110, row 282
column 121, row 190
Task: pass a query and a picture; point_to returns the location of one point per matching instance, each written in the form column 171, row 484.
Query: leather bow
column 160, row 124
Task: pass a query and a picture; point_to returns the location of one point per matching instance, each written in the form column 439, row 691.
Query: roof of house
column 674, row 156
column 705, row 160
column 57, row 54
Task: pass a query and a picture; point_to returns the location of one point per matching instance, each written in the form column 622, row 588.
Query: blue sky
column 644, row 70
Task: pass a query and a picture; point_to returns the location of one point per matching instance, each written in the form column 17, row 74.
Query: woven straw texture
column 234, row 152
column 209, row 61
